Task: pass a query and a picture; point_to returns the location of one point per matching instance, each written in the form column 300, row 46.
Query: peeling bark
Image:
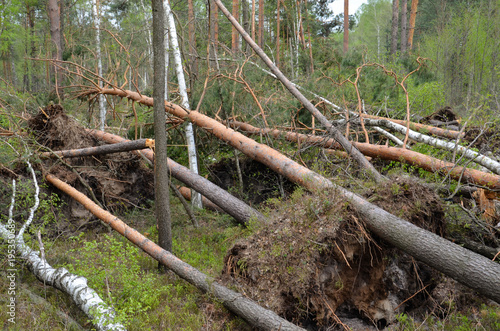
column 75, row 286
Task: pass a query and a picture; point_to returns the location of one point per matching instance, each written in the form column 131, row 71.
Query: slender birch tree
column 97, row 22
column 174, row 45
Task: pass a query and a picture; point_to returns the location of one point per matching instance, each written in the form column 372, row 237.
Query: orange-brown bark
column 186, row 193
column 237, row 303
column 259, row 152
column 420, row 160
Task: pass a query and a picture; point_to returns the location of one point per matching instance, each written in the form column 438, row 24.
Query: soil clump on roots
column 118, row 180
column 317, row 265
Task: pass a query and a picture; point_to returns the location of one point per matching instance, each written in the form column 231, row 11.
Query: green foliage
column 112, row 268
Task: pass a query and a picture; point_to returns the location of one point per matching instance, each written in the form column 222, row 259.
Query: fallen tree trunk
column 457, row 262
column 101, row 315
column 186, row 193
column 247, row 309
column 429, row 163
column 445, row 133
column 481, row 159
column 336, row 134
column 227, row 202
column 100, row 150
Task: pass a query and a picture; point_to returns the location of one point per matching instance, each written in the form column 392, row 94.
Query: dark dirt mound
column 259, row 182
column 444, row 115
column 118, row 180
column 316, row 262
column 486, row 140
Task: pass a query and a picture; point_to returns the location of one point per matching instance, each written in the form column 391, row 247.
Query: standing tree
column 261, row 23
column 191, row 145
column 394, row 26
column 97, row 20
column 404, row 26
column 234, row 34
column 193, row 72
column 413, row 15
column 55, row 37
column 346, row 26
column 162, row 199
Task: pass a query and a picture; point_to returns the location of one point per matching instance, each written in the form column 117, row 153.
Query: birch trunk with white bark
column 102, row 316
column 97, row 21
column 480, row 159
column 174, row 43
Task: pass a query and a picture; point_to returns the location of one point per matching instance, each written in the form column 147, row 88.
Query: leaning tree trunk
column 336, row 134
column 420, row 160
column 247, row 309
column 193, row 158
column 457, row 262
column 241, row 212
column 100, row 150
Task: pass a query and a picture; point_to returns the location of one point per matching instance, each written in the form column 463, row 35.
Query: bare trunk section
column 394, row 26
column 162, row 179
column 469, row 268
column 193, row 72
column 261, row 23
column 100, row 150
column 420, row 160
column 97, row 21
column 346, row 26
column 336, row 134
column 278, row 34
column 404, row 26
column 186, row 193
column 55, row 36
column 247, row 309
column 234, row 33
column 193, row 158
column 241, row 212
column 413, row 15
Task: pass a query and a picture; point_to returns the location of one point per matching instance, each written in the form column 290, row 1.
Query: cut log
column 247, row 309
column 104, row 149
column 186, row 193
column 429, row 163
column 227, row 202
column 469, row 268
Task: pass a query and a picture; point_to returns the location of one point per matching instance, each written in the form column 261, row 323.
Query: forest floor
column 313, row 262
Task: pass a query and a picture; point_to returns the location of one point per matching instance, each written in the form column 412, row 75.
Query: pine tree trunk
column 234, row 33
column 55, row 36
column 404, row 26
column 394, row 26
column 346, row 26
column 413, row 15
column 162, row 192
column 261, row 23
column 193, row 72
